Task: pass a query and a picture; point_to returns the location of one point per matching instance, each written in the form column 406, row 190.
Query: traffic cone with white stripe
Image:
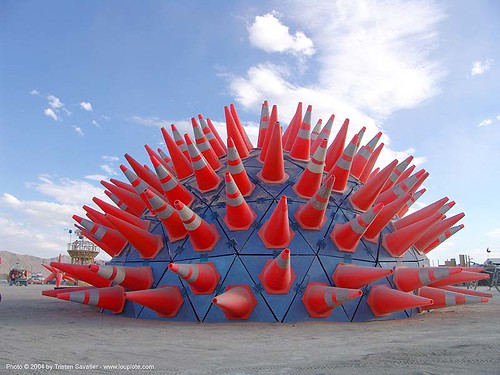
column 241, row 129
column 459, row 278
column 363, row 198
column 167, row 160
column 113, row 239
column 415, row 197
column 273, row 119
column 370, row 164
column 148, row 245
column 124, row 215
column 446, row 207
column 443, row 238
column 343, row 165
column 347, row 236
column 181, row 163
column 323, row 134
column 264, row 123
column 202, row 278
column 168, row 216
column 436, row 230
column 302, row 143
column 400, row 189
column 84, row 232
column 237, row 170
column 216, row 134
column 147, row 176
column 311, row 215
column 234, row 133
column 111, row 298
column 355, row 277
column 202, row 235
column 401, row 167
column 139, row 185
column 363, row 155
column 239, row 215
column 408, row 279
column 171, row 188
column 96, row 216
column 405, row 174
column 54, row 292
column 204, row 146
column 384, row 217
column 292, row 129
column 179, row 141
column 214, row 142
column 273, row 170
column 82, row 273
column 320, row 299
column 396, row 243
column 123, row 185
column 384, row 300
column 336, row 149
column 206, row 178
column 445, row 298
column 315, row 132
column 276, row 232
column 237, row 302
column 361, row 133
column 165, row 300
column 420, row 214
column 374, row 173
column 466, row 291
column 153, row 154
column 132, row 278
column 277, row 275
column 124, row 199
column 310, row 180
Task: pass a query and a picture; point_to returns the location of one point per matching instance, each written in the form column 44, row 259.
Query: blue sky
column 84, row 82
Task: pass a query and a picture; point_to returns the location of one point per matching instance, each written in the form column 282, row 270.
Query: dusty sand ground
column 41, row 332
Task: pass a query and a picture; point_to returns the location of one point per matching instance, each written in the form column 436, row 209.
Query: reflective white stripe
column 141, row 187
column 161, row 172
column 209, row 135
column 364, row 152
column 472, row 299
column 100, row 232
column 185, row 213
column 357, row 227
column 77, row 296
column 344, row 164
column 236, row 169
column 93, row 297
column 234, row 202
column 302, row 133
column 282, row 263
column 342, row 296
column 199, row 164
column 444, row 209
column 317, row 205
column 156, row 202
column 449, row 299
column 203, row 123
column 398, row 190
column 231, row 188
column 166, row 212
column 423, row 276
column 105, row 271
column 193, row 151
column 194, row 275
column 328, row 296
column 169, row 185
column 441, row 273
column 122, row 205
column 87, row 224
column 193, row 225
column 203, row 146
column 315, row 168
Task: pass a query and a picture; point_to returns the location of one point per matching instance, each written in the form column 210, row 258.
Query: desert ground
column 40, row 335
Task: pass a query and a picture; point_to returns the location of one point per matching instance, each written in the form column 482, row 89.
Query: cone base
column 269, row 245
column 273, row 182
column 356, row 207
column 270, row 290
column 155, row 253
column 306, row 160
column 341, row 247
column 305, row 226
column 305, row 196
column 311, row 312
column 386, row 247
column 372, row 239
column 215, row 187
column 211, row 247
column 234, row 228
column 250, row 191
column 173, row 239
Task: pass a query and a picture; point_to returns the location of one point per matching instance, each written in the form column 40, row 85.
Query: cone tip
column 178, row 205
column 123, row 168
column 227, row 176
column 93, row 267
column 484, row 300
column 173, row 267
column 188, row 139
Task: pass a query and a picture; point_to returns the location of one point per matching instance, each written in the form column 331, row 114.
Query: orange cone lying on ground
column 355, row 277
column 384, row 300
column 237, row 170
column 277, row 275
column 408, row 279
column 54, row 292
column 237, row 302
column 132, row 278
column 311, row 215
column 111, row 298
column 276, row 232
column 165, row 300
column 239, row 215
column 444, row 298
column 202, row 278
column 466, row 291
column 320, row 298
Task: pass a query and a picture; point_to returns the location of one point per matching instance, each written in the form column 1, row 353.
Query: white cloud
column 95, row 177
column 269, row 34
column 480, row 67
column 78, row 130
column 104, row 117
column 485, row 122
column 109, row 168
column 54, row 102
column 96, row 124
column 149, row 121
column 110, row 158
column 86, row 106
column 49, row 112
column 35, row 92
column 494, row 233
column 68, row 113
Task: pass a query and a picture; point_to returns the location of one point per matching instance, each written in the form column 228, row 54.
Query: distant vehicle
column 18, row 276
column 35, row 280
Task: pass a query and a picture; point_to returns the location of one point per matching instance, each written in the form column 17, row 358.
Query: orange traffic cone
column 147, row 245
column 405, row 174
column 98, row 243
column 276, row 232
column 273, row 170
column 81, row 272
column 460, row 278
column 397, row 242
column 336, row 149
column 312, row 214
column 179, row 141
column 277, row 275
column 346, row 236
column 436, row 230
column 384, row 217
column 112, row 298
column 239, row 215
column 145, row 175
column 206, row 178
column 363, row 155
column 214, row 142
column 446, row 207
column 466, row 291
column 165, row 300
column 204, row 146
column 320, row 299
column 124, row 215
column 361, row 133
column 323, row 134
column 397, row 173
column 167, row 160
column 363, row 198
column 355, row 277
column 408, row 279
column 182, row 166
column 241, row 129
column 292, row 129
column 216, row 134
column 168, row 216
column 54, row 292
column 370, row 164
column 273, row 119
column 264, row 123
column 113, row 239
column 172, row 189
column 341, row 168
column 234, row 133
column 124, row 199
column 139, row 185
column 443, row 238
column 237, row 170
column 444, row 298
column 237, row 302
column 133, row 278
column 373, row 174
column 384, row 300
column 203, row 236
column 302, row 142
column 96, row 216
column 123, row 185
column 310, row 180
column 315, row 133
column 420, row 214
column 152, row 154
column 415, row 197
column 201, row 277
column 400, row 189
